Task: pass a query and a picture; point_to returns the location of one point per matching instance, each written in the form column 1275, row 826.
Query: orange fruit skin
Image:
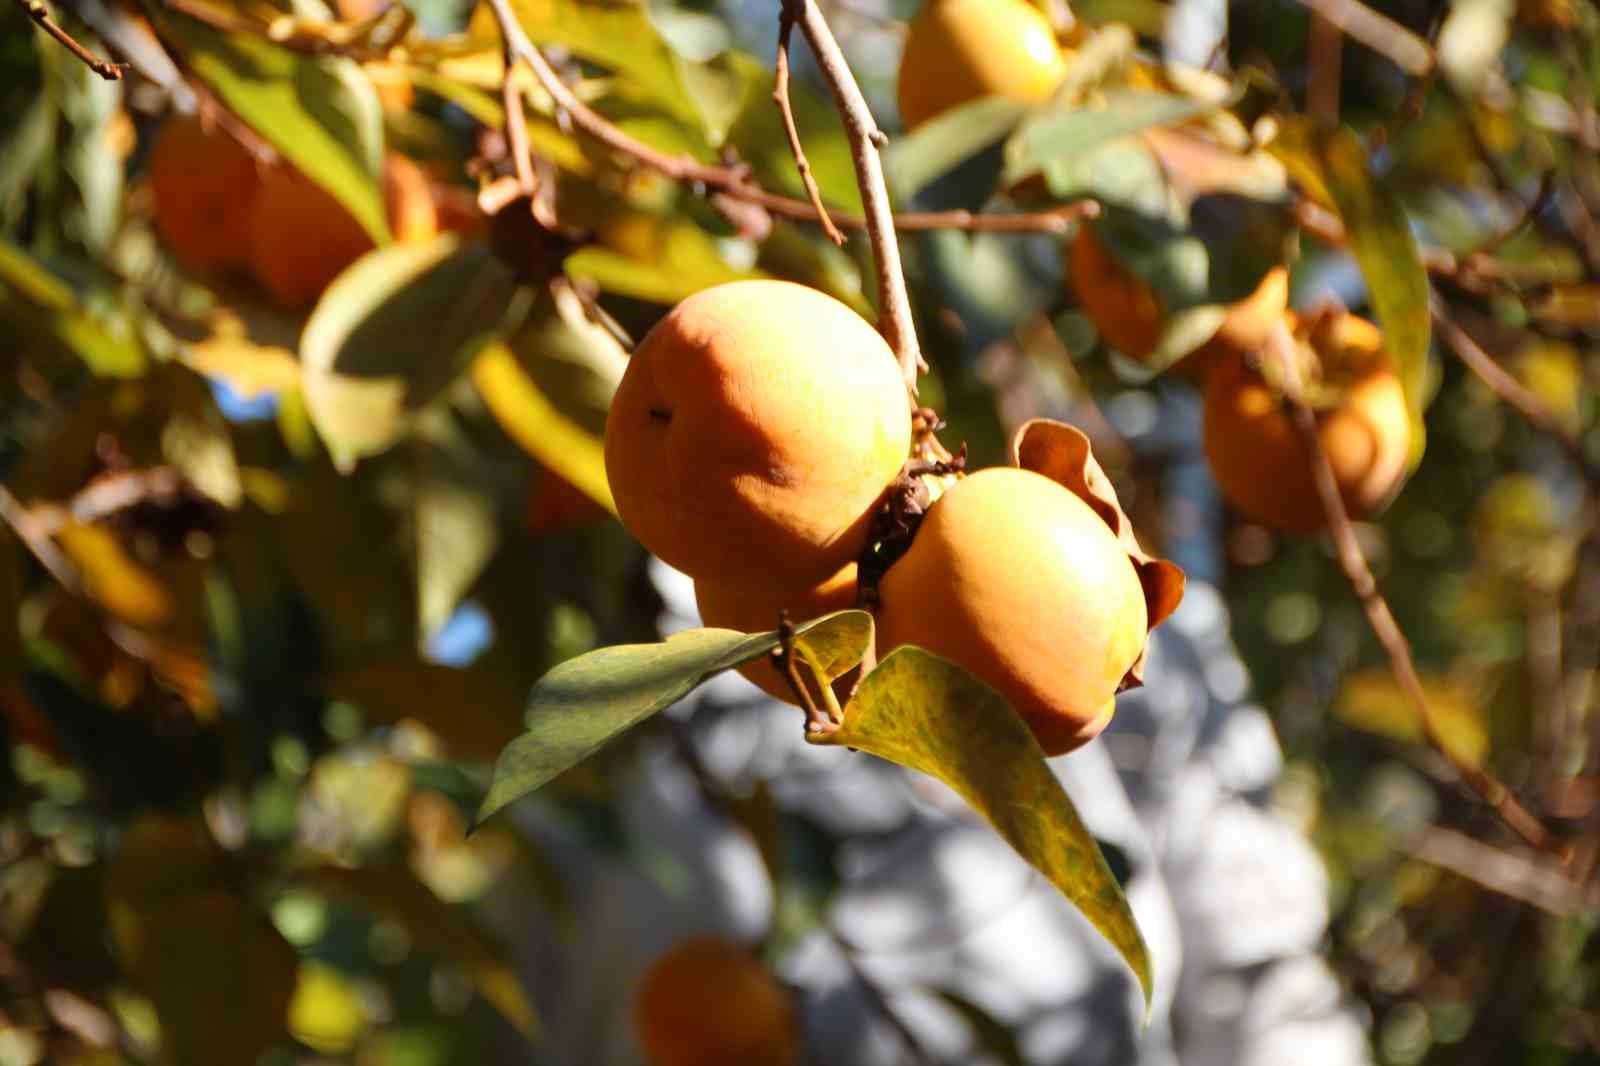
column 301, row 238
column 555, row 504
column 960, row 50
column 754, row 609
column 1129, row 315
column 1124, row 308
column 1259, row 459
column 1017, row 579
column 707, row 1002
column 754, row 432
column 203, row 183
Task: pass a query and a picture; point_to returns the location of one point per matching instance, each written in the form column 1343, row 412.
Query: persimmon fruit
column 1017, row 579
column 1129, row 315
column 202, row 183
column 301, row 238
column 753, row 608
column 754, row 433
column 708, row 1002
column 1257, row 454
column 960, row 50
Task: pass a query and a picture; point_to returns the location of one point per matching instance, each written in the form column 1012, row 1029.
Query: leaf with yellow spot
column 926, row 713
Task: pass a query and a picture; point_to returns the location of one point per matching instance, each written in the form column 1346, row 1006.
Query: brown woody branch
column 735, row 182
column 1384, row 626
column 40, row 14
column 1378, row 32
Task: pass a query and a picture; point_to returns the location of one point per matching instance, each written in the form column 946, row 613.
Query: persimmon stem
column 1280, row 346
column 40, row 14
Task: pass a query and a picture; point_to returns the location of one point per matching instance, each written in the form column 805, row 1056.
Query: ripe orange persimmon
column 1016, row 578
column 203, row 183
column 960, row 50
column 753, row 608
column 301, row 238
column 708, row 1002
column 1257, row 454
column 1129, row 315
column 754, row 432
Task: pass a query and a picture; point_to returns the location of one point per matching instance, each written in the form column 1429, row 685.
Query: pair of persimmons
column 219, row 210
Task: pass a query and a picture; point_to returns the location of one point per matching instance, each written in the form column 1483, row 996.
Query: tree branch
column 894, row 303
column 1378, row 32
column 780, row 96
column 40, row 14
column 1384, row 626
column 735, row 182
column 1514, row 393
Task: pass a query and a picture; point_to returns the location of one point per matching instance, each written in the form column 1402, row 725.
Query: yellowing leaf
column 326, row 1013
column 1374, row 702
column 531, row 420
column 928, row 714
column 113, row 578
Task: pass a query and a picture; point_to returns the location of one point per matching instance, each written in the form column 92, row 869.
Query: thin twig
column 1507, row 873
column 40, row 14
column 1384, row 626
column 1325, row 54
column 1514, row 393
column 780, row 96
column 1378, row 32
column 516, row 126
column 105, row 496
column 37, row 540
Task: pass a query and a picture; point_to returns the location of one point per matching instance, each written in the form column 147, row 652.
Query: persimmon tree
column 320, row 333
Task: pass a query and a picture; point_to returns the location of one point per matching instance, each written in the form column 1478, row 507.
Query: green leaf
column 620, row 38
column 926, row 713
column 1380, row 239
column 914, row 161
column 585, row 702
column 48, row 305
column 1060, row 134
column 320, row 112
column 455, row 510
column 392, row 332
column 667, row 260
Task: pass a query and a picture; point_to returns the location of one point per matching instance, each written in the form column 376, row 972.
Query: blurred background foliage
column 275, row 581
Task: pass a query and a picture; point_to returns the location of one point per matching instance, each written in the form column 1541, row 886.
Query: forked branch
column 40, row 14
column 1384, row 626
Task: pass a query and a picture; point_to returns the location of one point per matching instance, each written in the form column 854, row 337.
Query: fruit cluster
column 219, row 210
column 961, row 50
column 755, row 437
column 1257, row 455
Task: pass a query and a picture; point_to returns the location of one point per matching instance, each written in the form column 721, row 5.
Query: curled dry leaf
column 1061, row 453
